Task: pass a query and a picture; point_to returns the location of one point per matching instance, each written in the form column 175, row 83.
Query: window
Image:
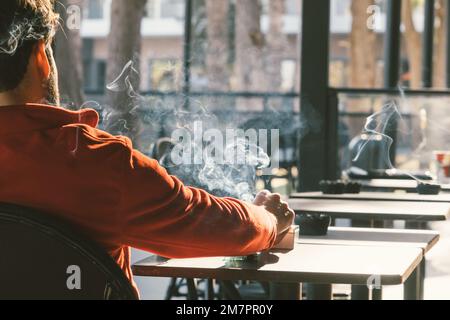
column 153, row 9
column 293, row 7
column 165, row 74
column 352, row 40
column 225, row 59
column 172, row 9
column 95, row 9
column 340, row 7
column 95, row 75
column 418, row 125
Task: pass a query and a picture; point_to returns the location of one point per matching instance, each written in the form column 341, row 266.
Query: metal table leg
column 172, row 289
column 361, row 292
column 192, row 289
column 411, row 288
column 414, row 288
column 423, row 264
column 230, row 290
column 377, row 294
column 319, row 292
column 210, row 294
column 285, row 291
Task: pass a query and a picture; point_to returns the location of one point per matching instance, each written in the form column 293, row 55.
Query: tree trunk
column 439, row 77
column 362, row 47
column 218, row 48
column 124, row 45
column 68, row 49
column 276, row 44
column 436, row 114
column 249, row 66
column 413, row 43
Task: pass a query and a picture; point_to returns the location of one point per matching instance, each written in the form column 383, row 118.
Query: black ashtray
column 428, row 188
column 313, row 225
column 332, row 187
column 353, row 187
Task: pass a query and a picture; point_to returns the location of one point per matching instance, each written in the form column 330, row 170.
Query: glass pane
column 244, row 75
column 419, row 125
column 165, row 74
column 152, row 9
column 357, row 30
column 440, row 51
column 245, row 70
column 95, row 9
column 411, row 58
column 246, row 46
column 162, row 46
column 357, row 42
column 172, row 9
column 413, row 25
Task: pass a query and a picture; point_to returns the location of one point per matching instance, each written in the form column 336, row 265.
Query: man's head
column 27, row 69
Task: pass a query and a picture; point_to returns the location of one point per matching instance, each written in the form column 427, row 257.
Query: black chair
column 43, row 257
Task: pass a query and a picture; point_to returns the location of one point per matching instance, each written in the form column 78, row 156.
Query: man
column 57, row 161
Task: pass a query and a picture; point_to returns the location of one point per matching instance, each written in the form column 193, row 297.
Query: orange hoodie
column 57, row 161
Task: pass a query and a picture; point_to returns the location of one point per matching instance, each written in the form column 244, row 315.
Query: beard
column 51, row 84
column 51, row 89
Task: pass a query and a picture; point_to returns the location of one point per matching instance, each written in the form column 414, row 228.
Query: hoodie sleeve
column 159, row 214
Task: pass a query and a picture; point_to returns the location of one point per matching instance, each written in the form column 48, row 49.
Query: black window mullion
column 392, row 46
column 428, row 35
column 187, row 53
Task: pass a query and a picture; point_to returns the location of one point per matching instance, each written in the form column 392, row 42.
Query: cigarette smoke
column 412, row 132
column 375, row 129
column 24, row 30
column 160, row 116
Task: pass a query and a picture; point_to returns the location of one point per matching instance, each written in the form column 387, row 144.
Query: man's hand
column 272, row 203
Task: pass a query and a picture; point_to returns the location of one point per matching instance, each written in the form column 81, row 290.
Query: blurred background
column 245, row 57
column 247, row 62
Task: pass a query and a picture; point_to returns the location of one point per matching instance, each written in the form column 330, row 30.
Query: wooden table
column 313, row 263
column 376, row 196
column 372, row 209
column 367, row 212
column 423, row 239
column 394, row 184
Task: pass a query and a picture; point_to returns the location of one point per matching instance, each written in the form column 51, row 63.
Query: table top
column 395, row 184
column 377, row 196
column 306, row 263
column 423, row 239
column 372, row 209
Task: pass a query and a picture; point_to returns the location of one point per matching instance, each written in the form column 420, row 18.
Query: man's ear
column 42, row 62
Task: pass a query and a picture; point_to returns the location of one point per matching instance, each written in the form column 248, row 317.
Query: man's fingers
column 290, row 214
column 265, row 192
column 275, row 197
column 284, row 206
column 261, row 198
column 278, row 207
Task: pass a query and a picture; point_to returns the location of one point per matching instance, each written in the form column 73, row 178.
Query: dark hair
column 22, row 24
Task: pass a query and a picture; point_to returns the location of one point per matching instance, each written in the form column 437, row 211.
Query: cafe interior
column 341, row 109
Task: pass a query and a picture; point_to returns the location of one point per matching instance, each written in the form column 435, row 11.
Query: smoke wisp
column 221, row 152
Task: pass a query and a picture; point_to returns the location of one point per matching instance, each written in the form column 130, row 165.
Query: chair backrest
column 44, row 257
